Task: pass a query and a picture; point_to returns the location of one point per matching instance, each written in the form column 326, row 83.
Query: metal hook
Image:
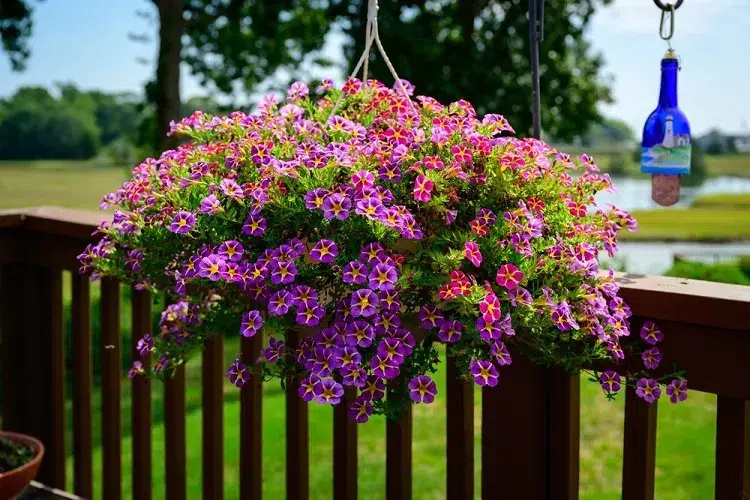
column 668, row 36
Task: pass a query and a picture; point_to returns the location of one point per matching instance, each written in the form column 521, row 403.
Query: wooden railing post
column 639, row 450
column 732, row 448
column 514, row 418
column 33, row 361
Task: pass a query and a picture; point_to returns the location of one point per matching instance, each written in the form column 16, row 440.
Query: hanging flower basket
column 359, row 225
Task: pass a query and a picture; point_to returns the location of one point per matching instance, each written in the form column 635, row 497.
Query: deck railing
column 533, row 415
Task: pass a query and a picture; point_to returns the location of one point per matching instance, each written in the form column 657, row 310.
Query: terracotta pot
column 13, row 482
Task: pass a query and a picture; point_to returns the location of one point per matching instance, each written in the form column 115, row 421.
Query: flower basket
column 14, row 481
column 360, row 212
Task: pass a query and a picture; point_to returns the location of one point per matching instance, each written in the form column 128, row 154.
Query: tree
column 15, row 31
column 478, row 50
column 223, row 42
column 34, row 125
column 229, row 42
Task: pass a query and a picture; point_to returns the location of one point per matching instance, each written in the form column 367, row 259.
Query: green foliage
column 744, row 264
column 608, row 133
column 15, row 30
column 36, row 125
column 618, row 165
column 478, row 51
column 31, row 130
column 721, row 273
column 13, row 454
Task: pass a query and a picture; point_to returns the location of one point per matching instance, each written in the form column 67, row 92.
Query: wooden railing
column 530, row 422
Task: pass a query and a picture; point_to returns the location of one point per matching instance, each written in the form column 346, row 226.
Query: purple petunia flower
column 274, row 351
column 360, row 410
column 336, row 206
column 231, row 250
column 648, row 389
column 500, row 353
column 231, row 189
column 353, row 375
column 382, row 367
column 136, row 369
column 484, row 372
column 374, row 389
column 677, row 390
column 520, row 295
column 308, row 387
column 371, row 252
column 422, row 389
column 310, row 315
column 610, row 381
column 389, row 301
column 254, row 225
column 355, row 273
column 371, row 207
column 383, row 277
column 182, row 222
column 251, row 323
column 210, row 205
column 450, row 331
column 328, row 392
column 283, row 273
column 145, row 345
column 324, row 251
column 212, row 267
column 430, row 317
column 364, row 303
column 303, row 295
column 488, row 330
column 651, row 358
column 314, row 199
column 279, row 303
column 359, row 333
column 651, row 333
column 238, row 373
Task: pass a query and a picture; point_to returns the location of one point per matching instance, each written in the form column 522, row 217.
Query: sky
column 88, row 45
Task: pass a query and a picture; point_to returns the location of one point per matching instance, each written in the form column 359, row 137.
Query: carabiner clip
column 670, row 11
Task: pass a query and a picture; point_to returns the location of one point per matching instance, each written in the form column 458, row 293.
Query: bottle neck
column 668, row 92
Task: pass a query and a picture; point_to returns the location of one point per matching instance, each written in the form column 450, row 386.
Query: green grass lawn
column 691, row 224
column 722, row 201
column 685, row 451
column 64, row 184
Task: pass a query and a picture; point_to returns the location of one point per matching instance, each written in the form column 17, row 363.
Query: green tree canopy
column 478, row 50
column 34, row 125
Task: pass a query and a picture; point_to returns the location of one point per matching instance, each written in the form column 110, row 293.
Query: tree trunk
column 171, row 27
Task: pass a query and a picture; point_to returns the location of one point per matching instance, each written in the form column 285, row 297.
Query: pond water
column 657, row 257
column 635, row 193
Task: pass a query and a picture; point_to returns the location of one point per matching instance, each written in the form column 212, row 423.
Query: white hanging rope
column 372, row 35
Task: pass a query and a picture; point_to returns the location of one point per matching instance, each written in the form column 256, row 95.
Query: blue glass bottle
column 666, row 145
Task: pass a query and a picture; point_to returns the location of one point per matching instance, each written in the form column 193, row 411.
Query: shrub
column 618, row 165
column 384, row 225
column 745, row 265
